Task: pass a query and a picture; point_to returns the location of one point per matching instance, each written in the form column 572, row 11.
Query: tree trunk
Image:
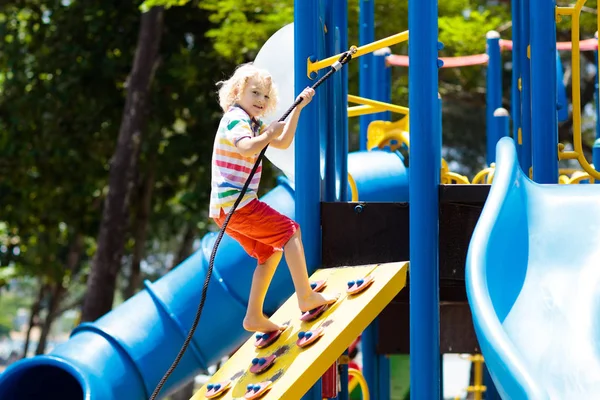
column 141, row 229
column 107, row 261
column 72, row 263
column 55, row 297
column 34, row 316
column 187, row 245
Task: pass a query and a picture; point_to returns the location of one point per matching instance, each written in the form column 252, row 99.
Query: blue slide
column 533, row 284
column 123, row 355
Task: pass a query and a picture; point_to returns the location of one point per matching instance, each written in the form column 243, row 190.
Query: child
column 263, row 232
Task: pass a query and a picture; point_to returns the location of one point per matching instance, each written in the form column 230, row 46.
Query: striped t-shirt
column 230, row 169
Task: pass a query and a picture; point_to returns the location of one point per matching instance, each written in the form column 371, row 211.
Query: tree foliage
column 64, row 73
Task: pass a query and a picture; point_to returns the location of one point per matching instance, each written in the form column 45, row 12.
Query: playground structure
column 354, row 210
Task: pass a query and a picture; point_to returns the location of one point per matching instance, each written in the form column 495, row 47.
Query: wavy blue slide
column 533, row 283
column 123, row 355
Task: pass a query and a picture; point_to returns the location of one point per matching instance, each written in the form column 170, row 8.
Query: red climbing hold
column 318, row 286
column 254, row 391
column 314, row 313
column 355, row 287
column 216, row 389
column 305, row 339
column 260, row 365
column 265, row 339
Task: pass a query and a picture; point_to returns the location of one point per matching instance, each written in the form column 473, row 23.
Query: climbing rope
column 344, row 58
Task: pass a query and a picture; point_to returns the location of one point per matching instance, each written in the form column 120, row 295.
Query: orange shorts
column 259, row 229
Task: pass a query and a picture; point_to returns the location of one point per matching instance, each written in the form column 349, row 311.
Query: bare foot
column 261, row 324
column 314, row 300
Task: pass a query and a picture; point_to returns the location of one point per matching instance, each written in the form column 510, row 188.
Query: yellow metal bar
column 362, row 110
column 564, row 10
column 484, row 175
column 478, row 388
column 580, row 176
column 361, row 381
column 353, row 186
column 369, row 102
column 568, row 171
column 478, row 378
column 362, row 50
column 566, row 155
column 577, row 153
column 297, row 369
column 452, row 177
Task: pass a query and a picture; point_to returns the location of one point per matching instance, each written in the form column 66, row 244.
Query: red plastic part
column 264, row 388
column 223, row 387
column 329, row 383
column 272, row 337
column 320, row 285
column 315, row 335
column 313, row 314
column 355, row 289
column 268, row 362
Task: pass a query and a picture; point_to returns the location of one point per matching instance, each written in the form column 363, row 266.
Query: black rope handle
column 344, row 59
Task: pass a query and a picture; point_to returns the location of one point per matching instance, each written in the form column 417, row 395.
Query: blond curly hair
column 232, row 88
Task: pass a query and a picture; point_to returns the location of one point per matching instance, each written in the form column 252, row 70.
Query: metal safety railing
column 361, row 51
column 577, row 153
column 359, row 380
column 353, row 187
column 478, row 388
column 367, row 106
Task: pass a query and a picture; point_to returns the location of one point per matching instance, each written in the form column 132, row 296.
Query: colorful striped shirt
column 230, row 169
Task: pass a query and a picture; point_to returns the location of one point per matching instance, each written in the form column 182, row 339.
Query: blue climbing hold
column 262, row 361
column 301, row 335
column 254, row 361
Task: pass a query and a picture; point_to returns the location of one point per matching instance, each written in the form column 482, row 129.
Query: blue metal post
column 384, row 376
column 498, row 128
column 331, row 108
column 493, row 95
column 307, row 142
column 424, row 175
column 525, row 88
column 336, row 151
column 343, row 373
column 307, row 156
column 366, row 34
column 370, row 366
column 340, row 102
column 376, row 367
column 544, row 121
column 516, row 76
